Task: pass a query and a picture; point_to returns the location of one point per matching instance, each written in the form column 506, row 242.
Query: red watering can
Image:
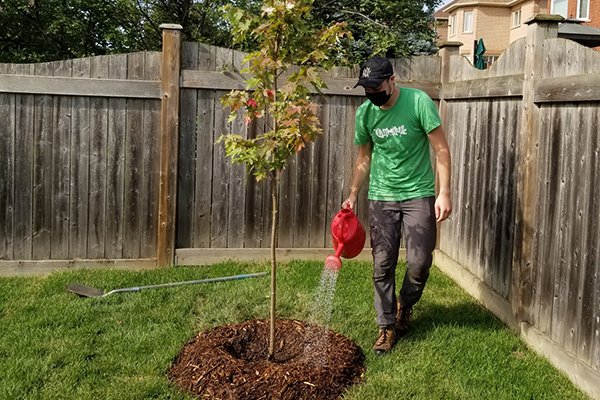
column 348, row 237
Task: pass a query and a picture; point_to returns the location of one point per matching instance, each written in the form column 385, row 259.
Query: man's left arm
column 443, row 202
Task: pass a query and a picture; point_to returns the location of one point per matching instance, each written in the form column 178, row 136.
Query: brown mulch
column 230, row 362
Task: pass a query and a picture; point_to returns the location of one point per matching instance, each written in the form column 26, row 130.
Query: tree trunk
column 274, row 225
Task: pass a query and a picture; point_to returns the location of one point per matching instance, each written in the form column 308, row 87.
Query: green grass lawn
column 54, row 345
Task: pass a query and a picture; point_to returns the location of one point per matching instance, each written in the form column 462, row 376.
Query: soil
column 230, row 362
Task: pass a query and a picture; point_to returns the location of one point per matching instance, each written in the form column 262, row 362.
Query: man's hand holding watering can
column 350, row 202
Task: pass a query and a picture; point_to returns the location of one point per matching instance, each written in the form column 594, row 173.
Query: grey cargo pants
column 389, row 221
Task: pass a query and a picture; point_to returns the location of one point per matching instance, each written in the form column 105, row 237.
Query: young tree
column 286, row 37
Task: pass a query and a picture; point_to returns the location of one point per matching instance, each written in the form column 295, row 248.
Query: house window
column 583, row 9
column 468, row 22
column 560, row 7
column 516, row 19
column 452, row 25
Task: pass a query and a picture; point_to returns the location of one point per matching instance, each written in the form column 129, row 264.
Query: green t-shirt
column 400, row 162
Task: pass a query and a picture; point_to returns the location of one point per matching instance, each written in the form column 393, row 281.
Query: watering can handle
column 345, row 216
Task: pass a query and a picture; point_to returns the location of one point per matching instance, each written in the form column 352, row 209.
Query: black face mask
column 378, row 98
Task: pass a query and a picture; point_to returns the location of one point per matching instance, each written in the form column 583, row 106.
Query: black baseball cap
column 374, row 71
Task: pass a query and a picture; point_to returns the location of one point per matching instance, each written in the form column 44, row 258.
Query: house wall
column 528, row 10
column 594, row 14
column 493, row 25
column 572, row 11
column 466, row 38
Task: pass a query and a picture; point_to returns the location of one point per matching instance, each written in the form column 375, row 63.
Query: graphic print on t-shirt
column 386, row 132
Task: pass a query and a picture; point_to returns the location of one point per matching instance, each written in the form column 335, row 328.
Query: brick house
column 501, row 22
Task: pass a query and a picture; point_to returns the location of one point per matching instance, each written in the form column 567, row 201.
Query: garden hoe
column 87, row 291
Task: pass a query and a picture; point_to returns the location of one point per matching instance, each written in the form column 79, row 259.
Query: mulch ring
column 230, row 362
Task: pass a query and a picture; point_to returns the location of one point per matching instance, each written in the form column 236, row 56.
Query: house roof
column 440, row 14
column 582, row 34
column 571, row 28
column 448, row 8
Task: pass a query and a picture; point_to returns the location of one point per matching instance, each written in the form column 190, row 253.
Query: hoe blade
column 85, row 291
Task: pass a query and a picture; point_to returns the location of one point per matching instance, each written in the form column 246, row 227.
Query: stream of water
column 317, row 334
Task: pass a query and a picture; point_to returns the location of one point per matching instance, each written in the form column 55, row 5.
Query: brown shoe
column 403, row 318
column 385, row 341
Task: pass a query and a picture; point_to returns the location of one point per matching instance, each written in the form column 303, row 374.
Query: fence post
column 447, row 50
column 169, row 136
column 540, row 28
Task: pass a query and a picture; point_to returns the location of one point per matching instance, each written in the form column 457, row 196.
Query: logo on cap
column 366, row 72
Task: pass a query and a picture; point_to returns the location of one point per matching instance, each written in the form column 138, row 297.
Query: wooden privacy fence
column 524, row 237
column 78, row 160
column 112, row 160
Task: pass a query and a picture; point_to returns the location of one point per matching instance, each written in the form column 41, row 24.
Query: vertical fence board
column 80, row 149
column 207, row 101
column 98, row 147
column 550, row 220
column 205, row 148
column 187, row 152
column 7, row 171
column 543, row 233
column 470, row 201
column 485, row 225
column 150, row 162
column 220, row 185
column 320, row 173
column 449, row 229
column 23, row 176
column 479, row 191
column 492, row 228
column 221, row 164
column 303, row 201
column 563, row 244
column 115, row 163
column 508, row 212
column 134, row 158
column 237, row 187
column 578, row 204
column 42, row 170
column 59, row 242
column 462, row 111
column 572, row 250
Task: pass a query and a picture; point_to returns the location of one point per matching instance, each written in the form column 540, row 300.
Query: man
column 394, row 130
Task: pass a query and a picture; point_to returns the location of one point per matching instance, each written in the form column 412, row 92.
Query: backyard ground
column 54, row 345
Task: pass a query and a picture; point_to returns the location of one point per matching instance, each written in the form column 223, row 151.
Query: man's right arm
column 361, row 171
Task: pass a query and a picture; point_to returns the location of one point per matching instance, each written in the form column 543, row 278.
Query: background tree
column 285, row 36
column 46, row 30
column 392, row 28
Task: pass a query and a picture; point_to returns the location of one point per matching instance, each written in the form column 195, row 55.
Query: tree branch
column 365, row 17
column 147, row 16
